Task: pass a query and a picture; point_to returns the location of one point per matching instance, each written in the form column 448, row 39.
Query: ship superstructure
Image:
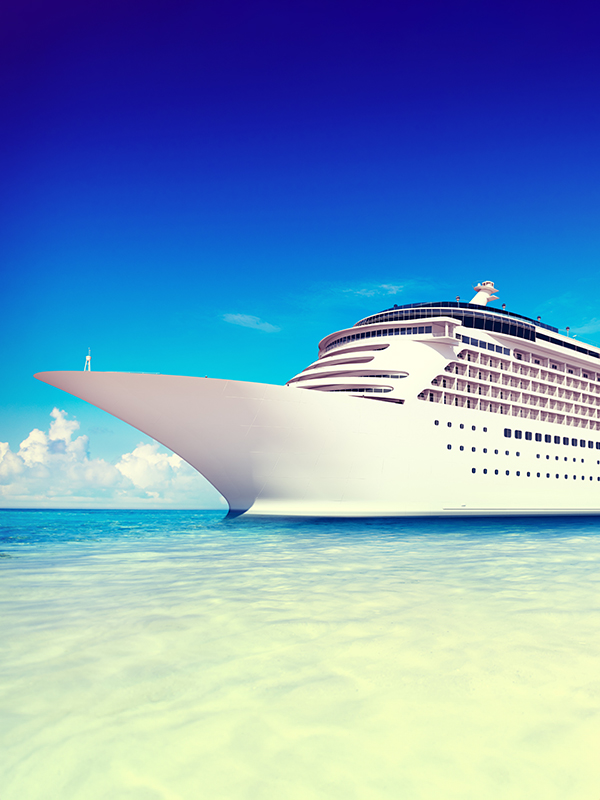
column 422, row 409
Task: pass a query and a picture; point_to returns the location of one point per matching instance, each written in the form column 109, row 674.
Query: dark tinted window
column 590, row 445
column 548, row 438
column 557, row 440
column 518, row 434
column 565, row 440
column 507, row 433
column 538, row 437
column 528, row 435
column 574, row 442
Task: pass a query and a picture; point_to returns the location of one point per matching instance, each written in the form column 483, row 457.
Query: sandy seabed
column 175, row 657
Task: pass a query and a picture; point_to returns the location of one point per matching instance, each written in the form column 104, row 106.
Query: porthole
column 507, row 472
column 449, row 446
column 538, row 474
column 518, row 474
column 449, row 424
column 517, row 454
column 485, row 473
column 506, row 453
column 473, row 470
column 437, row 422
column 473, row 449
column 547, row 474
column 537, row 455
column 557, row 475
column 529, row 474
column 461, row 426
column 495, row 472
column 461, row 447
column 495, row 452
column 485, row 449
column 473, row 428
column 485, row 431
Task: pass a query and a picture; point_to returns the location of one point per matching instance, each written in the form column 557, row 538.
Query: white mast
column 88, row 361
column 484, row 290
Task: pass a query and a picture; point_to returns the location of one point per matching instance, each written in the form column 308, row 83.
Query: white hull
column 278, row 450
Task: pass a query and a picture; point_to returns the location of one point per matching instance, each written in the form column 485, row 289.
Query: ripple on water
column 178, row 655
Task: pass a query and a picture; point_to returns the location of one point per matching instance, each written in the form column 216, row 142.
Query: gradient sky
column 171, row 170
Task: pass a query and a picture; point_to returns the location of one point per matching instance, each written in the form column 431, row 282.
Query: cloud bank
column 53, row 469
column 248, row 321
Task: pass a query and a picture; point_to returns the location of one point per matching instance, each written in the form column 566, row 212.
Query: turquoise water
column 178, row 655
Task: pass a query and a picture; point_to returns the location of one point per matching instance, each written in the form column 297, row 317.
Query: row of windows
column 484, row 345
column 507, row 453
column 469, row 319
column 385, row 332
column 538, row 474
column 557, row 439
column 360, row 389
column 461, row 426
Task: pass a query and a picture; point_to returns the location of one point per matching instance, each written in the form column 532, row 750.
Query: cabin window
column 574, row 442
column 538, row 437
column 548, row 438
column 528, row 435
column 507, row 433
column 518, row 434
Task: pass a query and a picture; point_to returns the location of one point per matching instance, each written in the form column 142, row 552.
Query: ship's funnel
column 484, row 290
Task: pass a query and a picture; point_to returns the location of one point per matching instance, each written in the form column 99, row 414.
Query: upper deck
column 470, row 315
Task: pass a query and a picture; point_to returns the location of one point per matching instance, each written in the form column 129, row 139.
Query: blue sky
column 171, row 170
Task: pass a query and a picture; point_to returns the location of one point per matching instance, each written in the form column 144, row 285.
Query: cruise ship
column 433, row 409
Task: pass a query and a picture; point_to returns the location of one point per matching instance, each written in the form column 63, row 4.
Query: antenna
column 88, row 361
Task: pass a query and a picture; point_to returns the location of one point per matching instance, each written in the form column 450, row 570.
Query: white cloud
column 55, row 469
column 375, row 290
column 592, row 326
column 248, row 321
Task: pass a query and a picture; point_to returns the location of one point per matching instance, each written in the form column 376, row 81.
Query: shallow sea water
column 176, row 655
